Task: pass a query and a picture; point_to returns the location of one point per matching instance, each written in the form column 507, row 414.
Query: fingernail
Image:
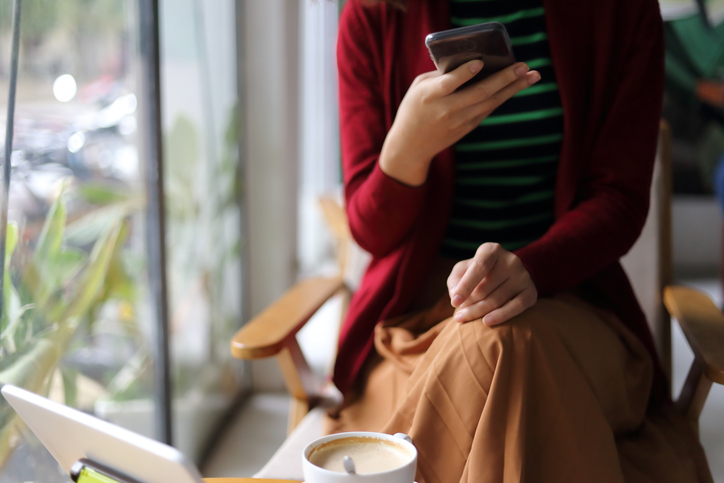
column 521, row 69
column 460, row 316
column 475, row 66
column 457, row 300
column 533, row 78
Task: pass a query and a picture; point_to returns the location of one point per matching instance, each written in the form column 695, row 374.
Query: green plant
column 203, row 220
column 59, row 288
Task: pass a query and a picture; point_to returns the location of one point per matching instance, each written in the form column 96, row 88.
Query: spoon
column 348, row 464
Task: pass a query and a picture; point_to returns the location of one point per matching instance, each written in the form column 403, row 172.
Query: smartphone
column 488, row 42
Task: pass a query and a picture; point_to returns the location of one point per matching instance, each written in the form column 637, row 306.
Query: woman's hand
column 433, row 115
column 493, row 285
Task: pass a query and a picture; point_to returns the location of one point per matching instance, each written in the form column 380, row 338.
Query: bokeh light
column 65, row 88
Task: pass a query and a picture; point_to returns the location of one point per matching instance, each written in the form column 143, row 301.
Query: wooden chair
column 649, row 265
column 272, row 333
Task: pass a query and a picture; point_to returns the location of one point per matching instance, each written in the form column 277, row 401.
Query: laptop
column 89, row 449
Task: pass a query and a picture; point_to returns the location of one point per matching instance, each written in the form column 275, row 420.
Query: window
column 79, row 319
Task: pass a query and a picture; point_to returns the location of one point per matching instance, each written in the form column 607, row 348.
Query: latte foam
column 370, row 455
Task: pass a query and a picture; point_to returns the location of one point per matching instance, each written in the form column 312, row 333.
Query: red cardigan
column 609, row 62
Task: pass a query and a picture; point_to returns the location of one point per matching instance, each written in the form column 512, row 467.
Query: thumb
column 455, row 78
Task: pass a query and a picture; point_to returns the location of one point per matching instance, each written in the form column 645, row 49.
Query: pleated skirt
column 560, row 393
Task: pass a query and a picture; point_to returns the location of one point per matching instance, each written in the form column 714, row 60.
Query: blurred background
column 79, row 320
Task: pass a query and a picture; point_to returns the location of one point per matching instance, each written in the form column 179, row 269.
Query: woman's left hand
column 493, row 285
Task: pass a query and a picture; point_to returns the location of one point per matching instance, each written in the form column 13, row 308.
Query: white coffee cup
column 396, row 451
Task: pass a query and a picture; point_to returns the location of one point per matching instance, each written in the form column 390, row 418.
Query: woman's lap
column 543, row 397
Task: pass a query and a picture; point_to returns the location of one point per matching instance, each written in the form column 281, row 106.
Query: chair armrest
column 703, row 326
column 269, row 332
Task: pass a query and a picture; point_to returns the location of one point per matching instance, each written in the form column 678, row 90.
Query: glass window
column 79, row 320
column 202, row 187
column 76, row 323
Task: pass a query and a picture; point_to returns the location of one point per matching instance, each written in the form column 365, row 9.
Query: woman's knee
column 520, row 333
column 524, row 338
column 469, row 355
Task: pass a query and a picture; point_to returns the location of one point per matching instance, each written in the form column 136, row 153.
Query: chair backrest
column 649, row 262
column 352, row 259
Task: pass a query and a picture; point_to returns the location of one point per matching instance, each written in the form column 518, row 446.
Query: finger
column 508, row 266
column 486, row 88
column 494, row 279
column 484, row 260
column 452, row 281
column 448, row 83
column 495, row 300
column 482, row 110
column 425, row 76
column 513, row 307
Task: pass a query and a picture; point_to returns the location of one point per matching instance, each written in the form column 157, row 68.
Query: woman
column 511, row 201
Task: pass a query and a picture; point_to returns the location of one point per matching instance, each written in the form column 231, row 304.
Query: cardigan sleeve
column 381, row 210
column 613, row 197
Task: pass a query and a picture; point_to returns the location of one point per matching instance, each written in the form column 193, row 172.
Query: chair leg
column 300, row 380
column 693, row 395
column 298, row 408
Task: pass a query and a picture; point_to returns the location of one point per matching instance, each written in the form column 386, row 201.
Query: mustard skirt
column 560, row 393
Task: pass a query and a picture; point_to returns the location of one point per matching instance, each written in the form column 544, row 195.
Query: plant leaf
column 51, row 237
column 92, row 278
column 32, row 367
column 102, row 193
column 91, row 226
column 9, row 336
column 116, row 283
column 11, row 241
column 70, row 385
column 38, row 279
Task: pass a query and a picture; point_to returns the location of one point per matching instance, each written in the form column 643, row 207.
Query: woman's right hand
column 433, row 115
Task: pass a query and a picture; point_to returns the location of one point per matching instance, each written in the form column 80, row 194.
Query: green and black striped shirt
column 505, row 169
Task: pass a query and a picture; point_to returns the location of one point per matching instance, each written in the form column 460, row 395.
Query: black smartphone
column 488, row 42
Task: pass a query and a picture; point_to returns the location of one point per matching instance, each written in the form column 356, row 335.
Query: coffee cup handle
column 403, row 436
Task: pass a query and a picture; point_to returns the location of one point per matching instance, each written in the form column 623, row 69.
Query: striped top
column 505, row 169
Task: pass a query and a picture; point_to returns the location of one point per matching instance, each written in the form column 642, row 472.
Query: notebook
column 72, row 436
